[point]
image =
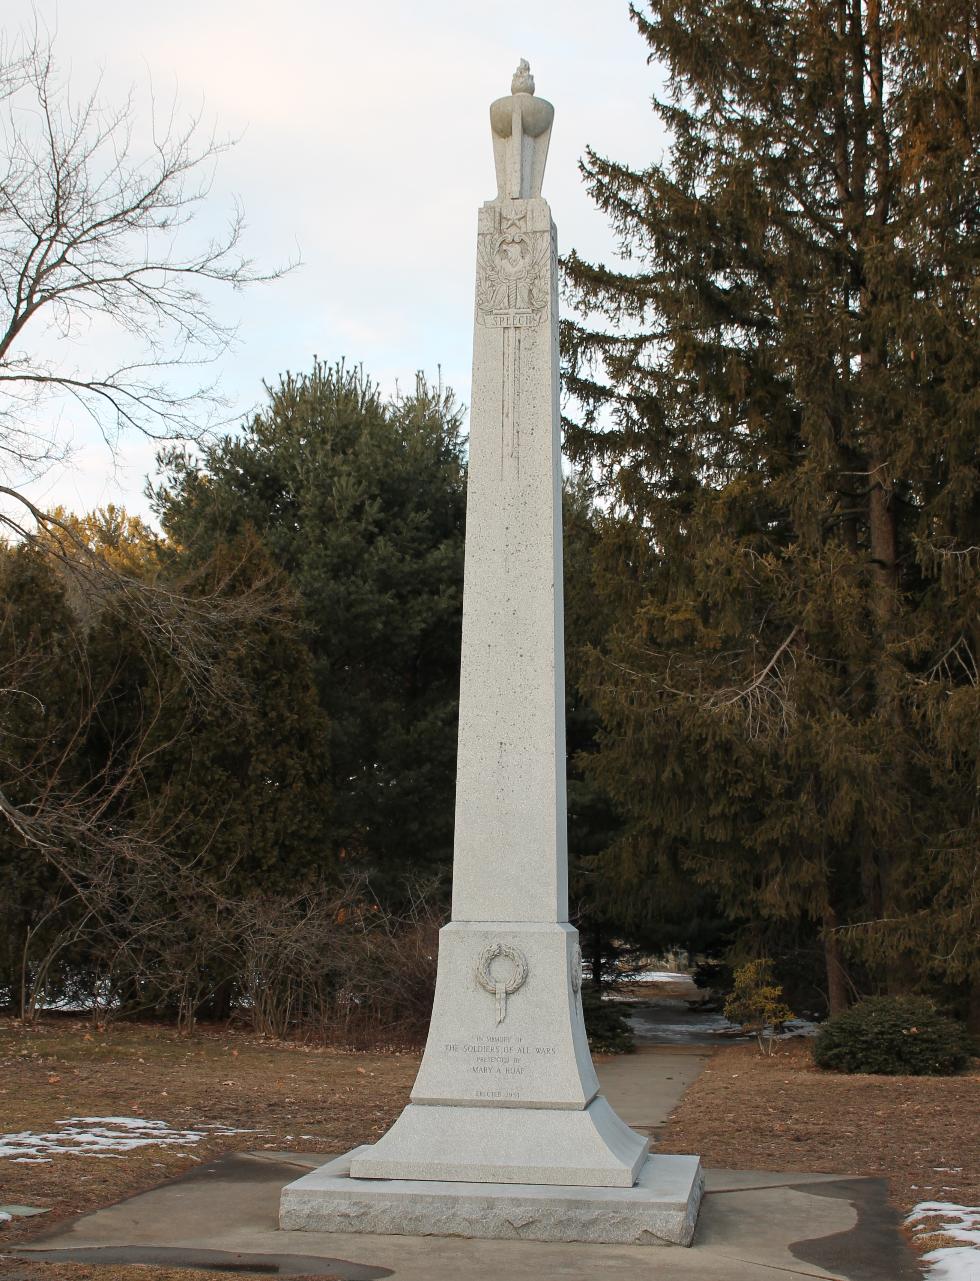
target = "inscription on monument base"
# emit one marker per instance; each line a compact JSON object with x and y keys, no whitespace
{"x":499,"y":1065}
{"x":506,"y":1031}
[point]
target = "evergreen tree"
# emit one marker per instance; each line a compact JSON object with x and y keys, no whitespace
{"x":593,"y":821}
{"x":129,"y":787}
{"x":602,"y":905}
{"x":781,"y":405}
{"x":360,"y":503}
{"x":240,"y":785}
{"x":43,"y":692}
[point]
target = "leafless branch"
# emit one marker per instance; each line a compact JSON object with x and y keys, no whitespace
{"x":765,"y":702}
{"x":95,"y":228}
{"x":958,"y":663}
{"x":191,"y":625}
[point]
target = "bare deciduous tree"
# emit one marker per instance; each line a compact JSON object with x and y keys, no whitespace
{"x":100,"y":230}
{"x":96,"y":228}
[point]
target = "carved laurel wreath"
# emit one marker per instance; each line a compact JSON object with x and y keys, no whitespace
{"x":577,"y":970}
{"x":487,"y":957}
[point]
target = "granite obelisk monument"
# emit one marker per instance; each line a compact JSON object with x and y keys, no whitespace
{"x":506,"y":1110}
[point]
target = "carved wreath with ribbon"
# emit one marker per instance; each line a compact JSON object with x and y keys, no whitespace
{"x":500,"y":989}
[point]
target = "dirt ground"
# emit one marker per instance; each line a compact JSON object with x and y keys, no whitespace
{"x":750,"y":1112}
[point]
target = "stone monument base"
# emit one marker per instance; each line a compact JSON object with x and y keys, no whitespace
{"x":660,"y":1209}
{"x":589,"y":1147}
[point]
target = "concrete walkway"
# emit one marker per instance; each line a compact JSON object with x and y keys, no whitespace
{"x":752,"y":1226}
{"x":645,"y":1087}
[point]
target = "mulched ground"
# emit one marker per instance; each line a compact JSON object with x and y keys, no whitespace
{"x":750,"y":1112}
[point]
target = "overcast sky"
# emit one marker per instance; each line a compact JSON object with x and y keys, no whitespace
{"x":365,"y":148}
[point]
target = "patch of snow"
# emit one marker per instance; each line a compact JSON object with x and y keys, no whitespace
{"x":655,"y":1025}
{"x":122,"y":1122}
{"x":675,"y":1023}
{"x":953,"y":1263}
{"x":658,"y":976}
{"x":5,"y":1217}
{"x":20,"y":1211}
{"x":102,"y":998}
{"x":102,"y":1136}
{"x":798,"y":1027}
{"x":962,"y":1223}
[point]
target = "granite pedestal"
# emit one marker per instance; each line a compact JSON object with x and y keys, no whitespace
{"x":661,"y":1207}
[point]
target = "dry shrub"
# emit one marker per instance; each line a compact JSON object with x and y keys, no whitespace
{"x":339,"y":967}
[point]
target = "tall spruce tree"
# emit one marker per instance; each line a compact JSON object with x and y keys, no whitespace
{"x":610,"y":927}
{"x":778,"y":392}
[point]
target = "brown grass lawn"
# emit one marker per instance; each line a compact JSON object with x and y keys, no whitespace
{"x":744,"y":1112}
{"x":750,"y":1112}
{"x":289,"y":1095}
{"x":31,"y":1270}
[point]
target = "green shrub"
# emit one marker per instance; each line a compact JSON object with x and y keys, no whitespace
{"x":756,"y":1003}
{"x":892,"y":1035}
{"x":607,"y":1029}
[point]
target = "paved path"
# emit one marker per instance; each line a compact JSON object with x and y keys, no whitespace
{"x":645,"y":1087}
{"x":753,"y":1226}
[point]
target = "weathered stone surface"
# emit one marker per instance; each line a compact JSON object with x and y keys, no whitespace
{"x":586,"y":1148}
{"x":521,"y":129}
{"x":507,"y":1030}
{"x":660,"y":1209}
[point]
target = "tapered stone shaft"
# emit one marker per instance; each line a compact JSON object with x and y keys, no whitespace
{"x":511,"y":859}
{"x":506,"y":1092}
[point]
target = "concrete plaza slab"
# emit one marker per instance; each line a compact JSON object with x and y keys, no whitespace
{"x":753,"y":1226}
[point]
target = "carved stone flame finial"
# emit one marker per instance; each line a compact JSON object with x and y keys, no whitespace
{"x":521,"y":128}
{"x":523,"y":81}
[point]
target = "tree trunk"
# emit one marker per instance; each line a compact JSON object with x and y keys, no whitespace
{"x":884,"y":545}
{"x":900,"y":974}
{"x":838,"y":987}
{"x":19,"y":989}
{"x":973,"y":1009}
